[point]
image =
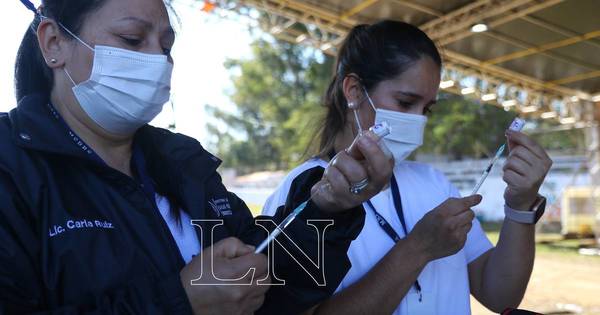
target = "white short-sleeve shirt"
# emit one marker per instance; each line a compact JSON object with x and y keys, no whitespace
{"x":444,"y":282}
{"x":183,"y":232}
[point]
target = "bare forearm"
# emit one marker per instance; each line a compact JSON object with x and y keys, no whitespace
{"x":509,"y":267}
{"x":384,"y":287}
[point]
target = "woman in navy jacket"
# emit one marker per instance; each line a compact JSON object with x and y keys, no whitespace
{"x":96,"y":206}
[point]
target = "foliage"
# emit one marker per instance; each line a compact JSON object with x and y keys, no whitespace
{"x":278,"y":94}
{"x":459,"y":128}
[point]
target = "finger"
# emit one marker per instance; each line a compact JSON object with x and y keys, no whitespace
{"x":516,"y":137}
{"x":461,"y":219}
{"x":518,"y":166}
{"x":522,"y":153}
{"x":240,"y":265}
{"x":467,"y":228}
{"x":352,"y":170}
{"x":324,"y":189}
{"x":513,"y":179}
{"x":379,"y":167}
{"x":454,"y":206}
{"x":386,"y":151}
{"x":261,"y":263}
{"x":461,"y":236}
{"x":528,"y":156}
{"x":539,"y":166}
{"x":264,"y":286}
{"x":471,"y":201}
{"x":465,"y":218}
{"x":231,"y":247}
{"x":337,"y":181}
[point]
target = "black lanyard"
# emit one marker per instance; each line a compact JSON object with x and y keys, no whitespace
{"x":138,"y":161}
{"x":387,"y":228}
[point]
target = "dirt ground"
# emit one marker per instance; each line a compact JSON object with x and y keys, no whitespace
{"x":560,"y":284}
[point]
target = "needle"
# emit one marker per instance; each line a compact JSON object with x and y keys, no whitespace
{"x":488,"y":169}
{"x":281,"y":226}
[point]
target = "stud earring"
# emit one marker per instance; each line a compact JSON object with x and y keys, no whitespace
{"x":352,"y":105}
{"x":53,"y":60}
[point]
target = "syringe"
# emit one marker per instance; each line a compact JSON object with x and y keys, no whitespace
{"x":381,"y":130}
{"x":516,"y":125}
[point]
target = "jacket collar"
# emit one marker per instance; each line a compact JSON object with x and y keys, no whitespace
{"x":37,"y":126}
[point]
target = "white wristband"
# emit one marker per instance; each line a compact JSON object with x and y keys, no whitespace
{"x":525,"y":217}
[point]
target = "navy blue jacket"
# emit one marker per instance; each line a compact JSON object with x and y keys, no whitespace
{"x":78,"y":237}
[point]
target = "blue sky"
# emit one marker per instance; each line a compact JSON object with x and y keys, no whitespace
{"x":204,"y":42}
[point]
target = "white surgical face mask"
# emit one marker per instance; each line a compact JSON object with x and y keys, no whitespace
{"x":406,"y":130}
{"x":126,"y":89}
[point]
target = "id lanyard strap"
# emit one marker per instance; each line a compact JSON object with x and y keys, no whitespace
{"x":387,"y":228}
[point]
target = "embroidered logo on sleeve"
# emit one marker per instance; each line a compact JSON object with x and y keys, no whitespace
{"x":221,"y":207}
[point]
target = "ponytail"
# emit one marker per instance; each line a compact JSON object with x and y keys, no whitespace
{"x":335,"y":101}
{"x":32,"y":75}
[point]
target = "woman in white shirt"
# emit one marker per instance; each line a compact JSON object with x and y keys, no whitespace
{"x":421,"y":251}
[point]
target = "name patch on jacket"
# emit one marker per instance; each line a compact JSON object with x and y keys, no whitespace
{"x":70,"y":225}
{"x":220,"y":206}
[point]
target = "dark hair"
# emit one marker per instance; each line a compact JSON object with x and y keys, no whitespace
{"x":32,"y":75}
{"x":374,"y":53}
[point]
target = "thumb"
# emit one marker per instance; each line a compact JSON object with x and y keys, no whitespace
{"x":231,"y":247}
{"x":511,"y":144}
{"x":355,"y":151}
{"x":470,"y":201}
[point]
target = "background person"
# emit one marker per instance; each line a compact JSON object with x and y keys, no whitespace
{"x":421,"y":251}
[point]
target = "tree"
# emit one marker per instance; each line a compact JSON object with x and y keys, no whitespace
{"x":277,"y":94}
{"x":459,"y":128}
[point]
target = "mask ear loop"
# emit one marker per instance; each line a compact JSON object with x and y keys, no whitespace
{"x":38,"y":12}
{"x":69,"y":76}
{"x":369,"y":99}
{"x":76,"y":37}
{"x":354,"y":107}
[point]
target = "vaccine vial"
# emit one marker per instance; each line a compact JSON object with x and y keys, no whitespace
{"x":517,"y":124}
{"x":381,"y":129}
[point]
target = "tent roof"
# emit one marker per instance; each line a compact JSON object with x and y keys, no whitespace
{"x":548,"y":49}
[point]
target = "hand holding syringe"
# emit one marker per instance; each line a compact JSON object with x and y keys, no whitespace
{"x":516,"y":125}
{"x":379,"y":131}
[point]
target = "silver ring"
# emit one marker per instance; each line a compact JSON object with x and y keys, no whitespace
{"x":359,"y":187}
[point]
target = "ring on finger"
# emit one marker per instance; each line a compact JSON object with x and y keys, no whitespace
{"x":357,"y":188}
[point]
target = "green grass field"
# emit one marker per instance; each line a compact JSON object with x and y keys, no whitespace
{"x":546,"y":243}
